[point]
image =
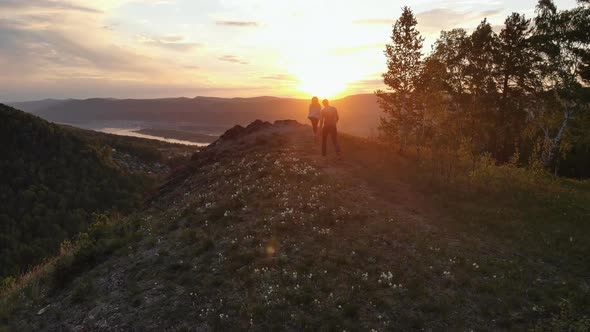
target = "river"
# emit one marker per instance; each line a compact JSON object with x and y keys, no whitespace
{"x":133,"y":133}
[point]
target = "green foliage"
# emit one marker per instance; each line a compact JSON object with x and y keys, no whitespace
{"x":566,"y":320}
{"x":7,"y":283}
{"x":83,"y":291}
{"x":503,"y":91}
{"x":103,"y":237}
{"x":51,"y":184}
{"x":403,"y":70}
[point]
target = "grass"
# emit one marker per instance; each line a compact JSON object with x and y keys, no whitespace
{"x":83,"y":291}
{"x":523,"y":222}
{"x":268,"y":237}
{"x":103,"y":238}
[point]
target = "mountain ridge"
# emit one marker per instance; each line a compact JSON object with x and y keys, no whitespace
{"x":359,"y":113}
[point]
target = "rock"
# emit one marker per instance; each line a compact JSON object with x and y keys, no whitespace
{"x":236,"y":132}
{"x":42,"y":311}
{"x":287,"y":123}
{"x":239,"y":131}
{"x":257,"y":125}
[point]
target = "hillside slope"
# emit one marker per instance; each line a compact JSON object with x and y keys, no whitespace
{"x":51,"y":183}
{"x":259,"y":233}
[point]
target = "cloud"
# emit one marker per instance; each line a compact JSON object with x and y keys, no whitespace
{"x":367,"y":85}
{"x":437,"y":19}
{"x":375,"y":21}
{"x":38,"y":45}
{"x":281,"y":77}
{"x":233,"y":59}
{"x":45,"y":48}
{"x":159,"y":2}
{"x":45,"y":4}
{"x":357,"y":48}
{"x":243,"y":24}
{"x":63,"y":48}
{"x":171,"y":42}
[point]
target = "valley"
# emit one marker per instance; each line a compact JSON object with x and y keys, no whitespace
{"x":180,"y":117}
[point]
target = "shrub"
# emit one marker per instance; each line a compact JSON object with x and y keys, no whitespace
{"x":82,"y":291}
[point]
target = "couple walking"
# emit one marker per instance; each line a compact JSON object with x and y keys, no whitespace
{"x":323,"y":121}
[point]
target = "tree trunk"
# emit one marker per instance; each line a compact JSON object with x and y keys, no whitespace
{"x":556,"y":142}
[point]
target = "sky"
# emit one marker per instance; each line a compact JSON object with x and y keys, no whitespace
{"x":225,"y":48}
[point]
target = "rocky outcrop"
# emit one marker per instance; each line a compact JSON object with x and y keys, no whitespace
{"x":236,"y":132}
{"x":257,"y":125}
{"x":287,"y":123}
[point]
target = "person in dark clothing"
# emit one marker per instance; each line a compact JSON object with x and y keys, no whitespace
{"x":314,"y":113}
{"x":328,"y":120}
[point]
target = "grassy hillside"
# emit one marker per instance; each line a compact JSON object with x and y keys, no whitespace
{"x":260,"y":233}
{"x":52,"y":182}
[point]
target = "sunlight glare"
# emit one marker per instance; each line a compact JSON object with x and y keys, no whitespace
{"x":324,"y":77}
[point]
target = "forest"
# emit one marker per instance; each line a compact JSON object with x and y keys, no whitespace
{"x":516,"y":94}
{"x":52,"y":183}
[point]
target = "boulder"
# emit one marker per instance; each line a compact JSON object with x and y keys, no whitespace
{"x":236,"y":132}
{"x":257,"y":125}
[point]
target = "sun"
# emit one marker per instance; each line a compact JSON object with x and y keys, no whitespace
{"x":324,"y":77}
{"x":319,"y":82}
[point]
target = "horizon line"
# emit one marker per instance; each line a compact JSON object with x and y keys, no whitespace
{"x":178,"y":97}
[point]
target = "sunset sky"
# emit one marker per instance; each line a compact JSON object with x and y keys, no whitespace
{"x":227,"y":48}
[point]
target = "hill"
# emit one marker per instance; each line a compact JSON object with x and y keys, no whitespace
{"x":52,"y":183}
{"x":260,"y":233}
{"x":359,"y":113}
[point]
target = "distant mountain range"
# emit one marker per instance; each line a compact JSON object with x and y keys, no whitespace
{"x":359,"y":113}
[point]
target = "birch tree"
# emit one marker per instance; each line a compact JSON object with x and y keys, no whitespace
{"x":562,"y":39}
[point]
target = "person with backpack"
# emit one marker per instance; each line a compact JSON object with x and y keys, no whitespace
{"x":328,"y":120}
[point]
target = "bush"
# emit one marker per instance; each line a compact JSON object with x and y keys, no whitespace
{"x":7,"y":283}
{"x":82,"y":291}
{"x":103,"y":238}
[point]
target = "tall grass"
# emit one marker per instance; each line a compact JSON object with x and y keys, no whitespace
{"x":106,"y":235}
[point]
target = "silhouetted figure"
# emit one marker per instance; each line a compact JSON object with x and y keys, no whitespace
{"x":314,"y":113}
{"x":328,"y":120}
